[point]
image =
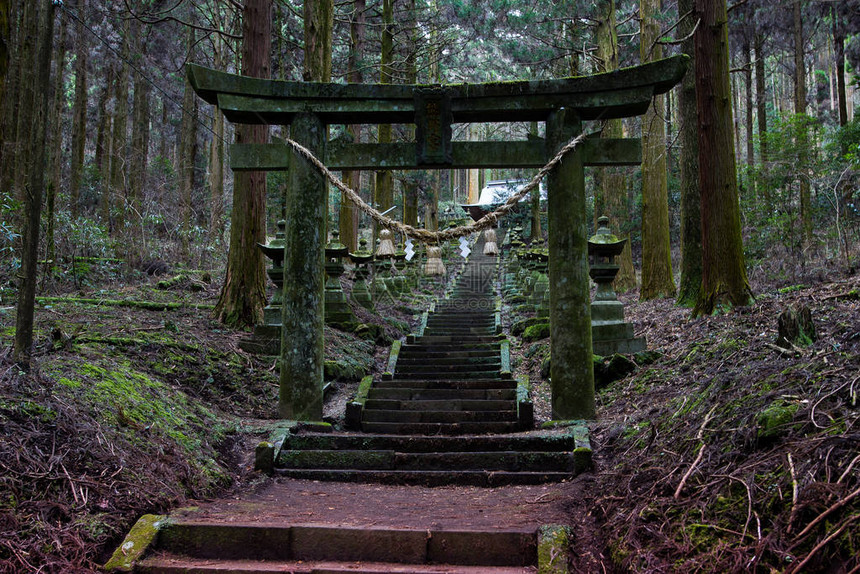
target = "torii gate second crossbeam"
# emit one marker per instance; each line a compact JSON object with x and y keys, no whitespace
{"x":309,"y":107}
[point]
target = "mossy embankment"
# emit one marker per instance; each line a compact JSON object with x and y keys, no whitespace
{"x":131,"y":409}
{"x":728,"y":455}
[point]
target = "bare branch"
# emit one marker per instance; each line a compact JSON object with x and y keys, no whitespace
{"x":178,"y":21}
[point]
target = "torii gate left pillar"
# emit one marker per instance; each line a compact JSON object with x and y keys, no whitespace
{"x":303,"y":318}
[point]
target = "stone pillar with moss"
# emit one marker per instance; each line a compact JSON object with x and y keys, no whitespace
{"x":302,"y":343}
{"x":572,"y":372}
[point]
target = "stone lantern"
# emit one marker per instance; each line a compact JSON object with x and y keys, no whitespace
{"x":274,"y":250}
{"x":361,"y":259}
{"x":540,"y":290}
{"x":336,"y":308}
{"x":609,"y":332}
{"x":603,"y":247}
{"x":266,"y":338}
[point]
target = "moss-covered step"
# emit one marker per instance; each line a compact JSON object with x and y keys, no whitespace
{"x":188,"y":545}
{"x":561,"y":440}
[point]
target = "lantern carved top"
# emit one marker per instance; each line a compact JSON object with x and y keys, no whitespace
{"x":363,"y":255}
{"x":274,"y":250}
{"x":604,"y":244}
{"x":335,"y":249}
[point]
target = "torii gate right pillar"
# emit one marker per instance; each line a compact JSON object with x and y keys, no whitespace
{"x":571,"y":366}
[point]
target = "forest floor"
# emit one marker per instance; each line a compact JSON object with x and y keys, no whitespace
{"x":724,"y":455}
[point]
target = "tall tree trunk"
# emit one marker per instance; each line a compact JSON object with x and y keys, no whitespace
{"x":748,"y":97}
{"x":657,"y":280}
{"x":384,"y":190}
{"x":216,"y":163}
{"x":139,"y":160}
{"x":724,"y":277}
{"x":164,"y":140}
{"x":613,"y":180}
{"x":10,"y":14}
{"x":410,"y":184}
{"x":187,"y":147}
{"x":761,"y":97}
{"x":104,"y":145}
{"x":319,"y":18}
{"x":43,"y":30}
{"x":244,"y":292}
{"x":839,"y":47}
{"x":5,"y":48}
{"x":79,"y":112}
{"x":534,"y":200}
{"x":691,"y":222}
{"x":431,"y":208}
{"x":119,"y":140}
{"x":55,"y":126}
{"x":802,"y":142}
{"x":26,"y":95}
{"x":761,"y":119}
{"x":348,"y":218}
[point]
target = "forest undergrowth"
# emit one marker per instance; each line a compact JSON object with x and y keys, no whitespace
{"x":726,"y":455}
{"x":731,"y":454}
{"x":132,"y":408}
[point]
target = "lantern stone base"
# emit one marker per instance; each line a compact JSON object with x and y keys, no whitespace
{"x":337,"y":310}
{"x":610,"y":334}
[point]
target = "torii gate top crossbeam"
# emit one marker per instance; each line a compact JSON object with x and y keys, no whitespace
{"x":621,"y":93}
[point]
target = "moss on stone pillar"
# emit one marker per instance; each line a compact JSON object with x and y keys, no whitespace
{"x":302,"y":350}
{"x":572,"y":372}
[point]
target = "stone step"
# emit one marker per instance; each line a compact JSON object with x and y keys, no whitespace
{"x":425,"y":353}
{"x":459,"y":318}
{"x":450,"y":348}
{"x":446,"y":416}
{"x":446,"y":359}
{"x":275,"y":542}
{"x":427,"y":428}
{"x":459,"y":332}
{"x":176,"y":564}
{"x":440,"y":405}
{"x":463,"y":314}
{"x":444,"y":375}
{"x":459,"y":340}
{"x":466,"y":307}
{"x":481,"y":478}
{"x":535,"y":441}
{"x":504,"y":461}
{"x":440,"y":368}
{"x":460,"y":326}
{"x":438,"y":384}
{"x":441,"y":394}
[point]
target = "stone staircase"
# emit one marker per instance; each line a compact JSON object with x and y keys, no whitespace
{"x":447,"y":411}
{"x":449,"y":380}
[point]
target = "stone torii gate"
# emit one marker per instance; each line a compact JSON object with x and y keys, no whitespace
{"x":309,"y":107}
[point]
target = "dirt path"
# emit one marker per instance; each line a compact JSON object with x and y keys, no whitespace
{"x":287,"y":501}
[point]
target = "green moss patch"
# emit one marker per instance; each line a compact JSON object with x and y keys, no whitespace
{"x":774,"y":421}
{"x":536,"y":332}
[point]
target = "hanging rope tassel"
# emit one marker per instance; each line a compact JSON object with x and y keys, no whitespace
{"x":434,"y":265}
{"x":490,"y":247}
